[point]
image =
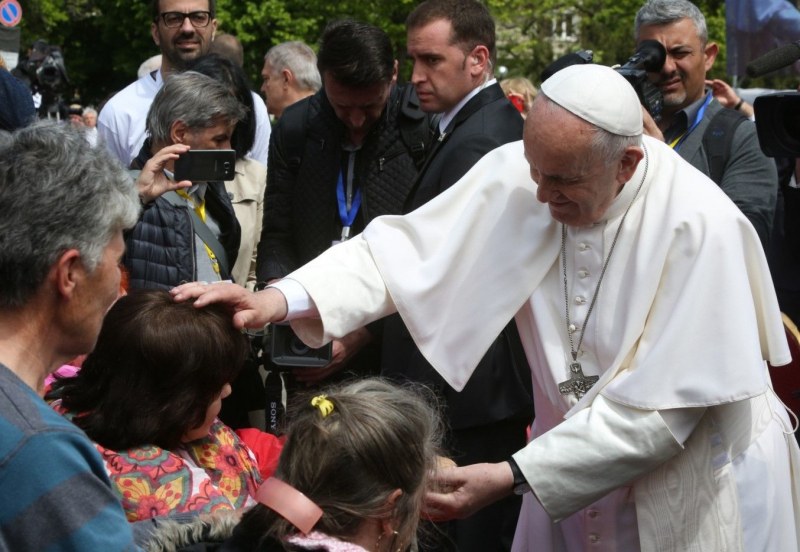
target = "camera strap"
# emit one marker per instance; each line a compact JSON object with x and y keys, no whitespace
{"x":203,"y":232}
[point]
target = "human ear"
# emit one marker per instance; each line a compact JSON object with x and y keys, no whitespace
{"x":68,"y":271}
{"x":710,"y":52}
{"x":478,"y":59}
{"x":154,"y":33}
{"x":178,"y":131}
{"x":628,"y":163}
{"x":388,"y":524}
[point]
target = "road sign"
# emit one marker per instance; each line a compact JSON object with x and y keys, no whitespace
{"x":10,"y":13}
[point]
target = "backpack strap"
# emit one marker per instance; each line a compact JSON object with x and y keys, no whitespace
{"x":717,"y":141}
{"x":202,"y":231}
{"x":414,"y":125}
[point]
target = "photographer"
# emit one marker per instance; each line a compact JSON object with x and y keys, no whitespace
{"x":719,"y":142}
{"x":45,"y":74}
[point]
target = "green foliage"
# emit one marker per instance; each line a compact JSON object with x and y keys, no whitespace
{"x":104,"y":41}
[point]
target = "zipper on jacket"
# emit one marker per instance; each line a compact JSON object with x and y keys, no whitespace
{"x":389,"y":157}
{"x":194,"y":245}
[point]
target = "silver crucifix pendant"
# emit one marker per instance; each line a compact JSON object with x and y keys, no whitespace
{"x":577,"y":382}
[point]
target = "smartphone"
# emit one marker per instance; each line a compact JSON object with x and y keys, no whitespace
{"x":205,"y":165}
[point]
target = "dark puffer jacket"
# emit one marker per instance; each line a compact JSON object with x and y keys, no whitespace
{"x":160,"y":248}
{"x":300,"y":209}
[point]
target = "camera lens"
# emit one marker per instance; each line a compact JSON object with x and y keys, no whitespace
{"x":298,"y":347}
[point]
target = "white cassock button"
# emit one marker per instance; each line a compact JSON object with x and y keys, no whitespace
{"x":580,"y":300}
{"x":583,"y":246}
{"x":583,"y":274}
{"x":573,"y":328}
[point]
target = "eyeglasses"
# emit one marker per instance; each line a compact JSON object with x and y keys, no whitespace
{"x":173,"y":20}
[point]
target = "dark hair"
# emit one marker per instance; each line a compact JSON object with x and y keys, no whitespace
{"x":355,"y":53}
{"x":379,"y":437}
{"x":228,"y":46}
{"x":156,"y":368}
{"x":226,"y":71}
{"x":471,"y":21}
{"x":156,"y":8}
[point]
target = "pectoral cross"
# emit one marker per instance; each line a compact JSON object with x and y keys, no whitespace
{"x":577,"y":382}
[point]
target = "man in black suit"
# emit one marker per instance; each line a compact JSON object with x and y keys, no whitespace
{"x":452,"y":44}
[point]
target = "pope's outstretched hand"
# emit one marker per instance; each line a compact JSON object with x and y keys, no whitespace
{"x":458,"y":492}
{"x":250,"y":310}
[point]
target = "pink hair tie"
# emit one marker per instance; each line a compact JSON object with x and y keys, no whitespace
{"x":291,"y":504}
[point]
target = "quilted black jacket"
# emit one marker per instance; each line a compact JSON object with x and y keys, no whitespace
{"x":305,"y":155}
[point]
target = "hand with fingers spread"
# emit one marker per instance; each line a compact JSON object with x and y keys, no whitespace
{"x":152,"y":182}
{"x":250,"y":310}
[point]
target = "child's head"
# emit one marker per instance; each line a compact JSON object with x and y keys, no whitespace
{"x":156,"y":371}
{"x":350,"y":452}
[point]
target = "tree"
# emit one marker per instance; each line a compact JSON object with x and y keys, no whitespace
{"x":104,"y":41}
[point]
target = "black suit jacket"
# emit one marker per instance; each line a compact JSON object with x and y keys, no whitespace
{"x":487,"y":121}
{"x":500,"y":388}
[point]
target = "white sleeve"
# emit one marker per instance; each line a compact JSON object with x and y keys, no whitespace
{"x":345,"y":285}
{"x":108,"y":135}
{"x":298,"y":301}
{"x":600,"y":449}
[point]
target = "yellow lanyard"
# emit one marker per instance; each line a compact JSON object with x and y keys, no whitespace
{"x":676,"y":140}
{"x":200,"y":209}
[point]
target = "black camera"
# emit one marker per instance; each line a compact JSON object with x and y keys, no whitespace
{"x":286,"y":349}
{"x":648,"y":58}
{"x":45,"y":73}
{"x":778,"y":123}
{"x":44,"y":69}
{"x":52,"y":72}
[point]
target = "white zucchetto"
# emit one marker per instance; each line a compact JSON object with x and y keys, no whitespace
{"x":599,"y":95}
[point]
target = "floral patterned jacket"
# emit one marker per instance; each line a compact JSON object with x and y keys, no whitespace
{"x":218,"y":472}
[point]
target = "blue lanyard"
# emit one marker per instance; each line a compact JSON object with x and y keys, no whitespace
{"x":699,"y":117}
{"x":347,"y":216}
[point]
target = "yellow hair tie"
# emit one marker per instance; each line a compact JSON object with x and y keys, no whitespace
{"x":324,"y":404}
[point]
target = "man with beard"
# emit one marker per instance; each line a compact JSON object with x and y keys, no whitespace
{"x":183,"y":30}
{"x":719,"y":142}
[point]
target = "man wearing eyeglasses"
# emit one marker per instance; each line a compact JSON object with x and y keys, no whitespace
{"x":183,"y":30}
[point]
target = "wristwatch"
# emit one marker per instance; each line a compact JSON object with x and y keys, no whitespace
{"x":521,"y":485}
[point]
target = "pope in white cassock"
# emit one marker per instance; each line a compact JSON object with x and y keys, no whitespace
{"x":645,"y":308}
